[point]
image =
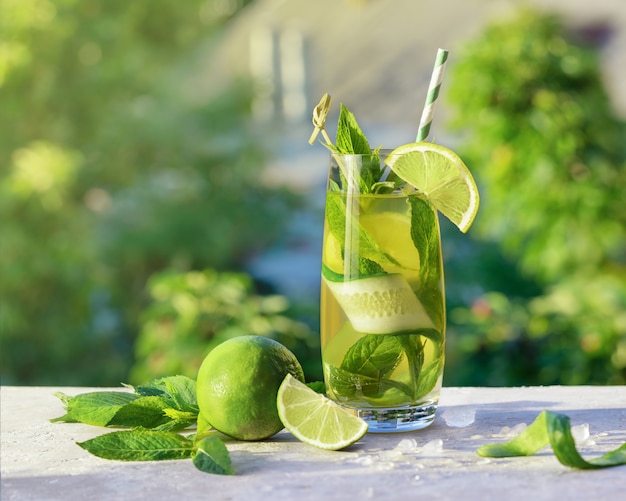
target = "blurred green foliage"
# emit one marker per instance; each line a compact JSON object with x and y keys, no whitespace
{"x":191,"y":313}
{"x":549,"y":155}
{"x":114,"y":169}
{"x":127,"y":199}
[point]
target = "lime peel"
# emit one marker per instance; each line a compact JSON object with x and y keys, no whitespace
{"x":554,"y":429}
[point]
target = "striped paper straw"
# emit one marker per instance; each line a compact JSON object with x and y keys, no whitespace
{"x":433,"y":94}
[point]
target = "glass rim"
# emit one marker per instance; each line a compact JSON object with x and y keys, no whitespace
{"x":381,"y":152}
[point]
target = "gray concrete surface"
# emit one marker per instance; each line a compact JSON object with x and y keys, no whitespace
{"x":41,"y":462}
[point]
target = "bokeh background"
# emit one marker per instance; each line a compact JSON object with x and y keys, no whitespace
{"x":158,"y":194}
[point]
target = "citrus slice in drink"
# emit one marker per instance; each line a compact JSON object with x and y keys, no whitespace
{"x":392,"y":232}
{"x":331,"y":253}
{"x":315,"y":419}
{"x":442,"y":176}
{"x":383,"y":304}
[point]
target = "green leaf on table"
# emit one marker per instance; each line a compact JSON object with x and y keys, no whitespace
{"x":145,"y":412}
{"x":93,"y":408}
{"x":180,"y":389}
{"x":179,"y":420}
{"x":553,"y":429}
{"x":140,"y":445}
{"x":212,"y":456}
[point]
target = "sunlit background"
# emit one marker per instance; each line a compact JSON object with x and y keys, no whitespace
{"x":158,"y":194}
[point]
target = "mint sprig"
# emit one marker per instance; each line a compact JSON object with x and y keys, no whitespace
{"x":139,"y":445}
{"x":94,"y":408}
{"x":551,"y":428}
{"x":352,"y":141}
{"x":154,"y":413}
{"x":350,"y":137}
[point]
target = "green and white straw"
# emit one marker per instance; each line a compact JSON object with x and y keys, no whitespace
{"x":433,"y":94}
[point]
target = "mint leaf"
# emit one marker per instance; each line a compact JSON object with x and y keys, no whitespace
{"x":429,"y":375}
{"x":414,"y":351}
{"x":146,"y":408}
{"x":180,"y":389}
{"x":212,"y":456}
{"x":177,"y":415}
{"x":350,"y":137}
{"x":369,"y":268}
{"x":383,"y":187}
{"x":373,"y":355}
{"x":139,"y":445}
{"x":145,"y":412}
{"x":365,"y":365}
{"x":347,"y":384}
{"x":318,"y":387}
{"x":425,"y":236}
{"x":94,"y":408}
{"x":179,"y":420}
{"x":364,"y":245}
{"x":352,"y":141}
{"x":553,"y":429}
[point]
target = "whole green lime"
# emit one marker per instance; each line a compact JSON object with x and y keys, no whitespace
{"x":238,"y":382}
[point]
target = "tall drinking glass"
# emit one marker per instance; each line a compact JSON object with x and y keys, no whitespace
{"x":382,"y":298}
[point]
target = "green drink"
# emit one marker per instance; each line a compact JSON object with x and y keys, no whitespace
{"x":382,"y":295}
{"x":382,"y":299}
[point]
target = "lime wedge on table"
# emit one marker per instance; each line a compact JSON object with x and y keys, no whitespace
{"x":315,"y":419}
{"x":442,"y":176}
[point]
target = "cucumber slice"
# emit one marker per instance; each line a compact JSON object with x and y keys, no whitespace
{"x":382,"y":304}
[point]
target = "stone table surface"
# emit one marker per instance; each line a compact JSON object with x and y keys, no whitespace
{"x":41,"y":461}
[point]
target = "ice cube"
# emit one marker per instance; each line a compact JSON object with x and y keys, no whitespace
{"x":433,"y":447}
{"x":363,"y":460}
{"x":407,"y":445}
{"x":384,"y":466}
{"x":459,"y":417}
{"x":507,"y":432}
{"x":580,"y":432}
{"x":390,"y":455}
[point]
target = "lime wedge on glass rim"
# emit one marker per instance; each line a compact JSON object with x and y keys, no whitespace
{"x":442,"y":176}
{"x":315,"y":419}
